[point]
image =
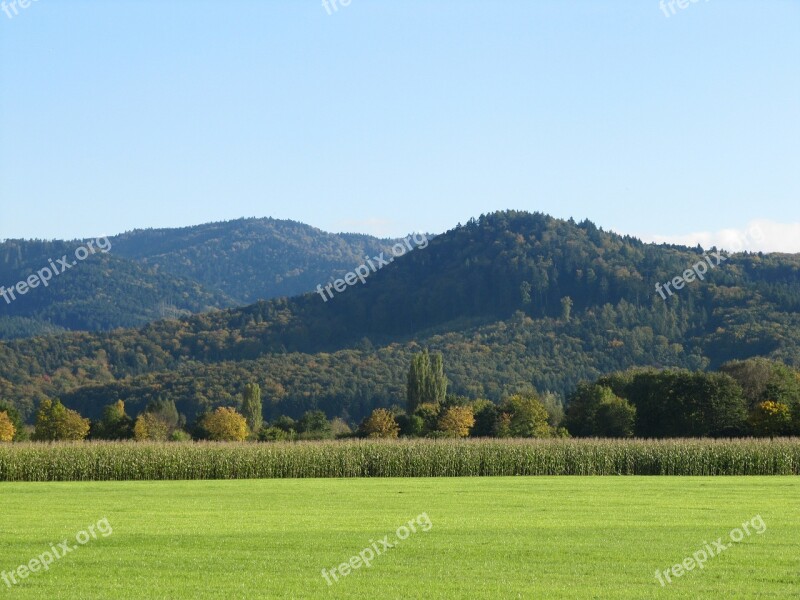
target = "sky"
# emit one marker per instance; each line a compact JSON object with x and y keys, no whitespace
{"x":386,"y":117}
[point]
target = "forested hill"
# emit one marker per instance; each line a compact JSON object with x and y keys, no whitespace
{"x":250,"y":259}
{"x":513,"y":301}
{"x":162,"y":273}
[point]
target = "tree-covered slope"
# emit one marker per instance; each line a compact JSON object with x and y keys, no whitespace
{"x":102,"y":292}
{"x":513,"y":301}
{"x":154,"y":274}
{"x":250,"y":259}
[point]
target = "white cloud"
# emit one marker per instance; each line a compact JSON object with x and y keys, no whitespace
{"x":759,"y":235}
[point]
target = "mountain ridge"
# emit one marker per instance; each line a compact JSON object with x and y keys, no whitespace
{"x":490,"y":295}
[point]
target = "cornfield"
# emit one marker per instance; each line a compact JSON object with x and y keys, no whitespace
{"x":100,"y":461}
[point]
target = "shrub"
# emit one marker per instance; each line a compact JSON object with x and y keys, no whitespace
{"x":179,"y":435}
{"x":275,"y":434}
{"x":340,"y":429}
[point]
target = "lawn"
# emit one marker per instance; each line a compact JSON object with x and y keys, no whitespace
{"x":524,"y":537}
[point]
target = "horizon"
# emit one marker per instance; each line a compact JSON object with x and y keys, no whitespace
{"x":752,"y":239}
{"x":380,"y":118}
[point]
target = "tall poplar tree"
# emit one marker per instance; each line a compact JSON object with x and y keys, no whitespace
{"x":252,"y":408}
{"x":426,"y":380}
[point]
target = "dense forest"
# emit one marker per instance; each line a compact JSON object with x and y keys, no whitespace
{"x":155,"y":274}
{"x":515,"y":302}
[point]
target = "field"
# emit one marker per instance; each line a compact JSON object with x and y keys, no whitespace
{"x":102,"y":461}
{"x":501,"y":537}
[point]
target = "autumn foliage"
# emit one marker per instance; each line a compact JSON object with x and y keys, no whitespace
{"x":226,"y":425}
{"x":7,"y":429}
{"x":380,"y":424}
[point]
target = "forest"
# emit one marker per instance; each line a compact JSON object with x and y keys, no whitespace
{"x":516,"y":303}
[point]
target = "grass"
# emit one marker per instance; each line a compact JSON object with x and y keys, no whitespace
{"x":543,"y":537}
{"x":103,"y":461}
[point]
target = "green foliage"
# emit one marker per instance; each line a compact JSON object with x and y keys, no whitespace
{"x":314,"y":425}
{"x":179,"y":435}
{"x":352,"y":354}
{"x":555,"y":409}
{"x":166,"y":411}
{"x":771,"y":418}
{"x":426,"y":381}
{"x":287,"y":424}
{"x":670,"y":404}
{"x":270,"y":433}
{"x":566,"y":308}
{"x":763,"y":381}
{"x":615,"y":417}
{"x":410,"y":425}
{"x":340,"y":429}
{"x":54,"y":422}
{"x":486,"y":415}
{"x":251,"y":407}
{"x":429,"y":414}
{"x":594,"y":410}
{"x":528,"y":417}
{"x":170,"y":273}
{"x":115,"y":424}
{"x":159,"y":421}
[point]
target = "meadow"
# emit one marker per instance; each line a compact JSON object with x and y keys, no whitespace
{"x":101,"y":461}
{"x":500,"y":537}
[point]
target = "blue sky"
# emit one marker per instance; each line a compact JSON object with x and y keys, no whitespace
{"x":387,"y":117}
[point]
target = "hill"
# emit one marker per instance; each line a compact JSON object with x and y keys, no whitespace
{"x":163,"y":273}
{"x":514,"y":301}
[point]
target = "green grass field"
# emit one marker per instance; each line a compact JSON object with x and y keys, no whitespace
{"x":537,"y":537}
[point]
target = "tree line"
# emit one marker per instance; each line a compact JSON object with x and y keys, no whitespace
{"x":755,"y":397}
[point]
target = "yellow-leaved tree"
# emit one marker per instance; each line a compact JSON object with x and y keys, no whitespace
{"x":226,"y":425}
{"x":380,"y":424}
{"x":7,"y":429}
{"x":457,"y":421}
{"x":56,"y":422}
{"x":149,"y":426}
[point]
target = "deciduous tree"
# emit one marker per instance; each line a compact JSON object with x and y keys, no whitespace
{"x":252,"y":408}
{"x":457,"y":421}
{"x":56,"y":422}
{"x":380,"y":424}
{"x":226,"y":425}
{"x":7,"y":429}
